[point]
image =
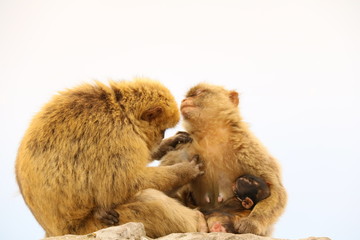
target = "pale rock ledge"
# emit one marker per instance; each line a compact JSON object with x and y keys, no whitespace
{"x":136,"y":231}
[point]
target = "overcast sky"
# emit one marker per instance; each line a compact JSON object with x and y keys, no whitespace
{"x":296,"y":65}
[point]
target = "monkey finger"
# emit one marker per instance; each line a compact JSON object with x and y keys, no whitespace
{"x":180,"y":139}
{"x":199,"y":163}
{"x":196,"y":159}
{"x":182,"y":133}
{"x":200,"y":169}
{"x":109,"y":222}
{"x":110,"y":219}
{"x":114,"y":213}
{"x":184,"y":139}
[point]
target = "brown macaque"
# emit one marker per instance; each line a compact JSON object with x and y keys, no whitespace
{"x":228,"y":149}
{"x":82,"y":164}
{"x":248,"y":191}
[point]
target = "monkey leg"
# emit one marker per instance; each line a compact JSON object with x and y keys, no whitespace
{"x":160,"y":214}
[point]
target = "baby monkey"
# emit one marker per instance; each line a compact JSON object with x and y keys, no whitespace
{"x":248,"y":191}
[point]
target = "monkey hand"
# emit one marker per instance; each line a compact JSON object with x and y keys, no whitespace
{"x":189,"y":170}
{"x":197,"y":165}
{"x":171,"y":144}
{"x":107,"y":217}
{"x":181,"y":137}
{"x":249,"y":225}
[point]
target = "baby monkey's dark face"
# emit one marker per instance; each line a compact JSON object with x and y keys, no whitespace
{"x":249,"y":190}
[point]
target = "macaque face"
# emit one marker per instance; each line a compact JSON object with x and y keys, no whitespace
{"x":190,"y":105}
{"x":205,"y":101}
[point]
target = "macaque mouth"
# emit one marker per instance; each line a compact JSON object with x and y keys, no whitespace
{"x":186,"y":106}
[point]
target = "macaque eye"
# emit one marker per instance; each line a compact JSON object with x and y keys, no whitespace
{"x":199,"y":91}
{"x":195,"y":93}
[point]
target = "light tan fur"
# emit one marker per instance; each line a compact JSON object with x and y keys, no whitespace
{"x":88,"y":149}
{"x":228,"y":150}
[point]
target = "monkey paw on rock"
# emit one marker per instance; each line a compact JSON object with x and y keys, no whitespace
{"x":248,"y":225}
{"x":107,"y":217}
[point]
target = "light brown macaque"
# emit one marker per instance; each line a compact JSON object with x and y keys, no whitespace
{"x":82,"y":164}
{"x":248,"y":191}
{"x":228,"y":149}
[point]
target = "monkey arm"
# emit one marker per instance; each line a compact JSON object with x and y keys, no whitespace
{"x":273,"y":206}
{"x":265,"y":213}
{"x":164,"y":147}
{"x":171,"y":144}
{"x":167,"y":178}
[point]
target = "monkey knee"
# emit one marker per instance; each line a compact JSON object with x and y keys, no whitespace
{"x":160,"y":214}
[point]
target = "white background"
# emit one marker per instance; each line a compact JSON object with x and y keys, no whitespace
{"x":295,"y":64}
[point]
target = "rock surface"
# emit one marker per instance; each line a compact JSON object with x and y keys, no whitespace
{"x":136,"y":231}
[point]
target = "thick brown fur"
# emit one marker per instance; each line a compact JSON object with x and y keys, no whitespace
{"x":86,"y":152}
{"x":228,"y":150}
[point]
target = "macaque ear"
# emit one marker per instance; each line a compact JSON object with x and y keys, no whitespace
{"x":151,"y":113}
{"x":234,"y":97}
{"x":247,"y":203}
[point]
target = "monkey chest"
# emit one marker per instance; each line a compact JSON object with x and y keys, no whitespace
{"x":212,"y":189}
{"x":215,"y":186}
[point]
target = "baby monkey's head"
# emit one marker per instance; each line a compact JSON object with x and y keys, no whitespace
{"x":250,"y":190}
